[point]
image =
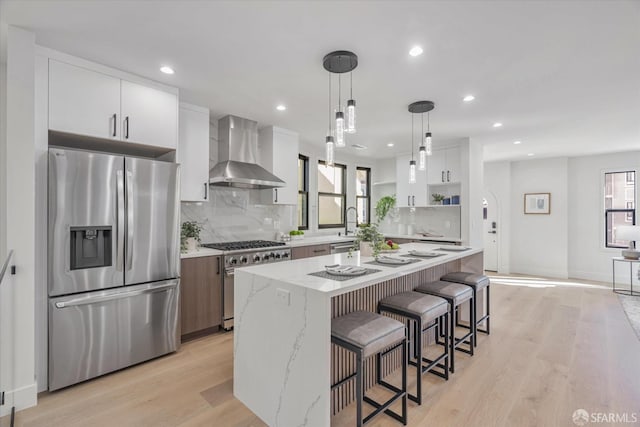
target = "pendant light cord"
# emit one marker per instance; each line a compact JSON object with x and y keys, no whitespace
{"x":428,"y":123}
{"x":422,"y":127}
{"x":330,"y":121}
{"x":351,"y":84}
{"x":339,"y":92}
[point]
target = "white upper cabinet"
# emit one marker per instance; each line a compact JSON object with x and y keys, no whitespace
{"x":444,"y":166}
{"x":83,"y":102}
{"x":87,"y":102}
{"x":410,"y":195}
{"x":193,"y":153}
{"x":278,"y":150}
{"x":149,"y":116}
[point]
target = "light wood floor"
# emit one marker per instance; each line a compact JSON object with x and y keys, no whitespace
{"x":555,"y":347}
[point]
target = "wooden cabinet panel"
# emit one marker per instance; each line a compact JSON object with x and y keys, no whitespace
{"x":201,"y":294}
{"x":310,"y":251}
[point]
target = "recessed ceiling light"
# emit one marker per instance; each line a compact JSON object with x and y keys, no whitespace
{"x":390,"y":144}
{"x":415,"y":51}
{"x":281,"y":107}
{"x":497,"y":125}
{"x":167,"y":70}
{"x":530,"y":154}
{"x":468,"y":98}
{"x":517,"y":142}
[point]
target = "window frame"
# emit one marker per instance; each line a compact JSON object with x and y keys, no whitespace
{"x":367,"y":197}
{"x":305,"y":191}
{"x":630,"y":212}
{"x":343,"y":195}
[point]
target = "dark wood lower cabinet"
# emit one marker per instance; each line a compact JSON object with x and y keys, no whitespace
{"x":310,"y":251}
{"x":201,"y":295}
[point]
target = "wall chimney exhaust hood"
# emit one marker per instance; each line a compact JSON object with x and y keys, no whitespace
{"x":238,"y":155}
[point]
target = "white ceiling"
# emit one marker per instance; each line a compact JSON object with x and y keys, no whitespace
{"x":563,"y":76}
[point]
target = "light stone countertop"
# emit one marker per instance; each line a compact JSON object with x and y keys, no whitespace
{"x":201,"y":251}
{"x":296,"y":272}
{"x":421,"y":237}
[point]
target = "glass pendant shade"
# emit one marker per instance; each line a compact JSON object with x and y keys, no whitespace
{"x":427,"y":143}
{"x":422,"y":159}
{"x":329,"y":154}
{"x":412,"y":172}
{"x":340,"y":130}
{"x":351,"y":116}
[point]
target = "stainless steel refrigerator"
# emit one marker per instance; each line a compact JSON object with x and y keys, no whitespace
{"x":114,"y":257}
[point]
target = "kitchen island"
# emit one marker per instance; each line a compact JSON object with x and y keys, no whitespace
{"x":284,"y":362}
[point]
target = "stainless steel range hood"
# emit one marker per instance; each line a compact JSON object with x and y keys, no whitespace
{"x":238,"y":157}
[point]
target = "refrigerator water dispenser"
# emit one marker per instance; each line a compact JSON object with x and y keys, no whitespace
{"x":90,"y":247}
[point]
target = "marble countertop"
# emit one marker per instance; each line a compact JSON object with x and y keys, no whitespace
{"x":296,"y":272}
{"x":421,"y":237}
{"x":307,"y":241}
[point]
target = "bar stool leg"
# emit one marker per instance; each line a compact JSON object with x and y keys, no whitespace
{"x":404,"y":382}
{"x":359,"y":388}
{"x":488,"y":311}
{"x":418,"y":339}
{"x":445,"y":321}
{"x":472,"y":321}
{"x":452,"y":337}
{"x":475,"y":319}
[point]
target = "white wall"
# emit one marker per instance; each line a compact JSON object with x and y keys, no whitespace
{"x":17,"y":325}
{"x":588,"y":258}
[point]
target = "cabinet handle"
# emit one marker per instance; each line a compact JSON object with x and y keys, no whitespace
{"x":206,"y":190}
{"x":276,"y":190}
{"x":448,"y":176}
{"x":316,"y":251}
{"x":408,"y":200}
{"x":442,"y":176}
{"x":126,"y":127}
{"x":218,"y":265}
{"x":115,"y":123}
{"x":413,"y":200}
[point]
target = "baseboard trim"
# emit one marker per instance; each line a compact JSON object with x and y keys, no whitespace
{"x":22,"y":398}
{"x":593,"y":275}
{"x":556,"y":274}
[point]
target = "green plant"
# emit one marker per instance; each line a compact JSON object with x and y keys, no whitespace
{"x":296,"y":233}
{"x":368,"y":233}
{"x":437,"y":197}
{"x":190,"y":229}
{"x":384,"y":205}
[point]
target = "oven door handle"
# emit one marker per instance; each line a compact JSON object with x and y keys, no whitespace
{"x":229,"y":272}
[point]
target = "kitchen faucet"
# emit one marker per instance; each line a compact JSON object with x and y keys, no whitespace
{"x":347,"y":222}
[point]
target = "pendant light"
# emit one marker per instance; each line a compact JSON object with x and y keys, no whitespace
{"x":427,"y":138}
{"x":421,"y":107}
{"x":329,"y":144}
{"x":340,"y":120}
{"x":340,"y":62}
{"x":351,"y":108}
{"x":412,"y":163}
{"x":422,"y":154}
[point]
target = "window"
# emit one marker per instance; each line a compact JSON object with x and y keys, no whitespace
{"x":363,"y":195}
{"x":303,"y":192}
{"x":619,"y":205}
{"x":331,"y":195}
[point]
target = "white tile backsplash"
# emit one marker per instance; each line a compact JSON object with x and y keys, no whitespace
{"x":237,"y":214}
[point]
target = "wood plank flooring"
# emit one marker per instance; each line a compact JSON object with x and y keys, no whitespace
{"x":555,"y":346}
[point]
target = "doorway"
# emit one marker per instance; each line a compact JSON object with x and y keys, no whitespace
{"x":490,"y":228}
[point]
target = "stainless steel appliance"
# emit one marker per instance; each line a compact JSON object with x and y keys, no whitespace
{"x":114,"y":256}
{"x":241,"y":254}
{"x":341,"y":247}
{"x":238,"y":157}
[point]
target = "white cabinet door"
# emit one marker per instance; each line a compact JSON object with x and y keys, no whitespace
{"x":436,"y":173}
{"x":149,"y":115}
{"x":193,"y":153}
{"x":83,"y":102}
{"x":453,"y":164}
{"x":409,"y":195}
{"x":285,"y":166}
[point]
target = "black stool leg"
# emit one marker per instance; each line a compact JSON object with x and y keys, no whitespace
{"x":359,"y":387}
{"x":488,"y":312}
{"x":452,"y":336}
{"x":404,"y":382}
{"x":418,"y":339}
{"x":472,"y":322}
{"x":445,"y":319}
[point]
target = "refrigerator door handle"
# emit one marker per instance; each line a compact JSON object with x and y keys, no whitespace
{"x":130,"y":219}
{"x":119,"y":295}
{"x":120,"y":220}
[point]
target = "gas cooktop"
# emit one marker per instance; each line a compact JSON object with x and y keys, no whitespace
{"x":245,"y":244}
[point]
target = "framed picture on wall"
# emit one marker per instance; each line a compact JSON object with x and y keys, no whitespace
{"x":537,"y":203}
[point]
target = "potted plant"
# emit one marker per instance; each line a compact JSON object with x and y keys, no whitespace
{"x":437,"y":198}
{"x":368,"y":240}
{"x":190,"y":236}
{"x":384,"y":205}
{"x":296,"y":234}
